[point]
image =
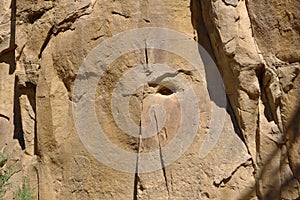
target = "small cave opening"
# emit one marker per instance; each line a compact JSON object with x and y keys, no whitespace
{"x":163,"y":90}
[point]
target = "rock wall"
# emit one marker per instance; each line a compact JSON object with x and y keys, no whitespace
{"x":256,"y":47}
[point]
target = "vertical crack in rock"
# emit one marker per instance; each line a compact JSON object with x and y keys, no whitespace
{"x":258,"y":158}
{"x":136,"y":175}
{"x":234,"y":120}
{"x":141,"y":97}
{"x":8,"y":54}
{"x":161,"y":155}
{"x":46,"y":41}
{"x":13,"y":23}
{"x":136,"y":181}
{"x":18,"y":130}
{"x":146,"y":53}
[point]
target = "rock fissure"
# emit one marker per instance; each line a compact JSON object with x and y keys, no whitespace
{"x":227,"y":179}
{"x":4,"y":116}
{"x":160,"y":154}
{"x":139,"y":150}
{"x":120,"y":14}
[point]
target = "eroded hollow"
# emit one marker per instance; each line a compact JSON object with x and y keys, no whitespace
{"x":163,"y":89}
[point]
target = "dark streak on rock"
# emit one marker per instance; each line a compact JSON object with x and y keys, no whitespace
{"x":97,"y":37}
{"x":147,"y":20}
{"x":120,"y":14}
{"x":161,"y":156}
{"x":4,"y":116}
{"x":136,"y":175}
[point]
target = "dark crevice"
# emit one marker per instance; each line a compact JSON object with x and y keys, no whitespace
{"x":18,"y":128}
{"x":234,"y":121}
{"x":97,"y":37}
{"x":4,"y":116}
{"x":136,"y":182}
{"x":146,"y":53}
{"x":36,"y":150}
{"x":186,"y":72}
{"x":120,"y":14}
{"x":227,"y":179}
{"x":30,"y":91}
{"x":8,"y":55}
{"x":46,"y":41}
{"x":161,"y":155}
{"x":147,"y":20}
{"x":224,"y":181}
{"x":147,"y":71}
{"x":13,"y":19}
{"x":12,"y":43}
{"x":258,"y":156}
{"x":136,"y":175}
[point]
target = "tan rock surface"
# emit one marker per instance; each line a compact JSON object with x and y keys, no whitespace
{"x":255,"y":45}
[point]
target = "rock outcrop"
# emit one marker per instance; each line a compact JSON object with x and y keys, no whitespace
{"x":256,"y":48}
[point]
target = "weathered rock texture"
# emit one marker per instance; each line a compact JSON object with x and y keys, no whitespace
{"x":256,"y":45}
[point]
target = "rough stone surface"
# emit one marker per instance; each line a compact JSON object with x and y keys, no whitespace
{"x":256,"y":46}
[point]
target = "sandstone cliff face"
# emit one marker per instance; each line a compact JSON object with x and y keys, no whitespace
{"x":256,"y":46}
